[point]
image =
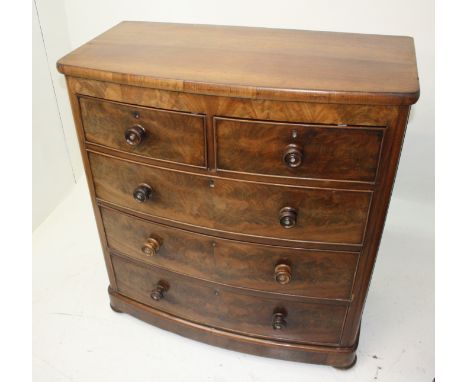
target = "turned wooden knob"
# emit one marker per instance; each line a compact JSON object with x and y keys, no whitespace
{"x":151,"y":247}
{"x":283,"y":274}
{"x":278,"y":321}
{"x":134,"y":135}
{"x":292,"y":155}
{"x":288,"y":217}
{"x":158,"y":293}
{"x":142,"y":193}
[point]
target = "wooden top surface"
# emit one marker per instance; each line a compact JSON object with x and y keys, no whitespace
{"x":258,"y":63}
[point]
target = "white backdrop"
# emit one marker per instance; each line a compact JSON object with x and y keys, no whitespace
{"x":80,"y":341}
{"x":52,"y":171}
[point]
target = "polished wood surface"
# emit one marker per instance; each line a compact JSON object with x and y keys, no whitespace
{"x":319,"y":274}
{"x":227,"y":308}
{"x":271,"y":110}
{"x":323,"y":215}
{"x":338,"y":356}
{"x":252,"y":62}
{"x":253,"y":222}
{"x":330,"y":152}
{"x":168,"y":135}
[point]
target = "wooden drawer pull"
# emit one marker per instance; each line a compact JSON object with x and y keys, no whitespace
{"x":292,"y":155}
{"x":151,"y":247}
{"x":134,"y":135}
{"x":158,"y":293}
{"x":278,"y":321}
{"x":283,"y":274}
{"x":142,"y":193}
{"x":288,"y":217}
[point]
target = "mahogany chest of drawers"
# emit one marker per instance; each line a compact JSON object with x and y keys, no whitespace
{"x":240,"y":177}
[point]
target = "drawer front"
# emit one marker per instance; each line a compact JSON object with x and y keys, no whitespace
{"x":321,"y":274}
{"x":257,"y":209}
{"x":229,"y":308}
{"x":296,"y":150}
{"x":168,"y":135}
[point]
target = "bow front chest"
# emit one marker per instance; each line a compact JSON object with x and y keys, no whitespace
{"x":240,"y":177}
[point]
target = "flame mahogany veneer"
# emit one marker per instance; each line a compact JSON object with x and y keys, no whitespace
{"x":240,"y":177}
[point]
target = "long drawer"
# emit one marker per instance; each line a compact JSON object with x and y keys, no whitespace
{"x":260,"y":315}
{"x":250,"y":208}
{"x":320,"y":274}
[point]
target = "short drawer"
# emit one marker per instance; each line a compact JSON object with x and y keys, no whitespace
{"x":229,"y":308}
{"x":321,"y":274}
{"x":248,"y":208}
{"x":159,"y":134}
{"x":298,"y":150}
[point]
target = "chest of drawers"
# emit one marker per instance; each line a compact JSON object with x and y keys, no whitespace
{"x":240,"y":177}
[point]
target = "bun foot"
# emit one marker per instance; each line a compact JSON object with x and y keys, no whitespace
{"x":349,"y":366}
{"x":115,"y":309}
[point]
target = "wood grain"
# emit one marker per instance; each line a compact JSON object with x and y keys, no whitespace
{"x":252,"y":62}
{"x":333,"y":216}
{"x":170,"y":136}
{"x":329,"y":152}
{"x":271,"y":110}
{"x":319,"y":274}
{"x":338,"y":356}
{"x":228,"y":308}
{"x":212,"y":220}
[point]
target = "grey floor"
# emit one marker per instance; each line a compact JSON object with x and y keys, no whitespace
{"x":76,"y":337}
